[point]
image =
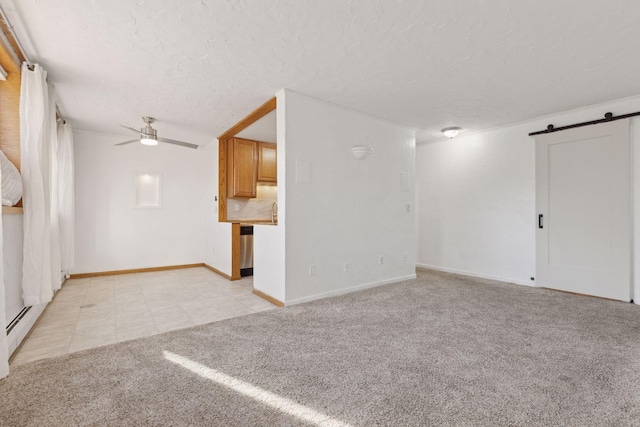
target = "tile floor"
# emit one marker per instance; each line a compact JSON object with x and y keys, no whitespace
{"x":89,"y":313}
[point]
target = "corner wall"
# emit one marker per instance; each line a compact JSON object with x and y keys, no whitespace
{"x":217,"y":235}
{"x":112,"y":235}
{"x":476,"y":197}
{"x":343,"y":210}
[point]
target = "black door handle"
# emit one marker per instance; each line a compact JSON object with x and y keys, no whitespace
{"x":540,"y":221}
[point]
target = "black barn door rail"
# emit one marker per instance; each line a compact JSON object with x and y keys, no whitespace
{"x":608,"y":117}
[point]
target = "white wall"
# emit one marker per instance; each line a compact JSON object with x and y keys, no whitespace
{"x":110,"y":233}
{"x":217,"y":236}
{"x":351,"y":210}
{"x":635,"y":207}
{"x":476,"y":197}
{"x":269,"y":262}
{"x":476,"y":204}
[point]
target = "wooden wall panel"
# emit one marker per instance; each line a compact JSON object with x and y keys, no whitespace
{"x":10,"y":59}
{"x":10,"y":118}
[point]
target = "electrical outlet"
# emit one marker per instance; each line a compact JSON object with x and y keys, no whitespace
{"x":407,"y":207}
{"x":381,"y":259}
{"x":405,"y":257}
{"x":312,"y":270}
{"x":236,"y":207}
{"x":347,"y":267}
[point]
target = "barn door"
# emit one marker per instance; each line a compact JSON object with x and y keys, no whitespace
{"x":583,"y":203}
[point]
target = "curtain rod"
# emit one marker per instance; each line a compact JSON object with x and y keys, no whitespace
{"x":608,"y":117}
{"x":7,"y":29}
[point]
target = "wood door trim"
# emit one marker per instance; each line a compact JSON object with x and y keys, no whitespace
{"x":222,"y":179}
{"x":235,"y":251}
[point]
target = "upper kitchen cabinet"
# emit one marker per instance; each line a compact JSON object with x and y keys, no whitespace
{"x":240,"y":155}
{"x":242,"y":167}
{"x":267,"y":162}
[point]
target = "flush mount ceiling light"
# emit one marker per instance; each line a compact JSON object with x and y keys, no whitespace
{"x":361,"y":151}
{"x":451,"y":132}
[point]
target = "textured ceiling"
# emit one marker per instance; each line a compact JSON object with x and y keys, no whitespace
{"x":200,"y":66}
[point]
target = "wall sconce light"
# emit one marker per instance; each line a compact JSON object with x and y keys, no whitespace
{"x":361,"y":151}
{"x":451,"y":132}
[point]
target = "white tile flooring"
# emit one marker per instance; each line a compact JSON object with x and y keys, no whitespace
{"x":89,"y":313}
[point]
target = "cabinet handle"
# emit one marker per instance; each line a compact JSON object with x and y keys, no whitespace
{"x":540,"y":221}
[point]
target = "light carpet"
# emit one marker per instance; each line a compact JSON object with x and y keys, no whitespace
{"x":439,"y":350}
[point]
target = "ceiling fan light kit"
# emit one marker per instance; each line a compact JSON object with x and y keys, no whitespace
{"x":149,"y":136}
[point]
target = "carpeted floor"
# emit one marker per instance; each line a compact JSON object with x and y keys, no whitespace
{"x":439,"y":350}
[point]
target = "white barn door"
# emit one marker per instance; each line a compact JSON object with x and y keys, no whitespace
{"x":583,"y":203}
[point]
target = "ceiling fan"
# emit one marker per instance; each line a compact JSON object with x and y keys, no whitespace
{"x":149,"y":136}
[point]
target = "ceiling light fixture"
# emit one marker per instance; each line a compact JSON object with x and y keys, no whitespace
{"x":149,"y":140}
{"x":451,"y":132}
{"x":361,"y":151}
{"x":148,"y":135}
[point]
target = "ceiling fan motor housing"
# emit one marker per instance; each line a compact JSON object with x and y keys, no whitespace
{"x":149,"y":132}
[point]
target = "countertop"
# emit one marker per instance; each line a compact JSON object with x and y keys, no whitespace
{"x":255,"y":222}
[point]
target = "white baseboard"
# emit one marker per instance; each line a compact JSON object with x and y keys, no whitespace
{"x":481,"y":276}
{"x":349,"y":290}
{"x":21,"y":330}
{"x":24,"y":326}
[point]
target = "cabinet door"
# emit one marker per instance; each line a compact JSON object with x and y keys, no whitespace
{"x":267,"y":162}
{"x":243,"y":159}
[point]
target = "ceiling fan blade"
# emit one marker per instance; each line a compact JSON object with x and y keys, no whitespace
{"x":181,"y":143}
{"x":129,"y":142}
{"x":131,"y":129}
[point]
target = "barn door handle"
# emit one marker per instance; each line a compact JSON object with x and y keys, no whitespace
{"x":540,"y":221}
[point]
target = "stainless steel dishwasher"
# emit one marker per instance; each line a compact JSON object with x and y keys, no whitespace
{"x":246,"y":250}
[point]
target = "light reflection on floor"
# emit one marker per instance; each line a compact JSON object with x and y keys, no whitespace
{"x":275,"y":401}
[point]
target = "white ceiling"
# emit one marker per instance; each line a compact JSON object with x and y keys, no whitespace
{"x":265,"y":129}
{"x":199,"y":66}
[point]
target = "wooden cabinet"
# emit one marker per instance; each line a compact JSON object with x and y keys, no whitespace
{"x":242,"y":168}
{"x":267,"y":162}
{"x":249,"y":162}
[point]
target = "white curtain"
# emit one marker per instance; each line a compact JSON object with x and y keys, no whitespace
{"x":66,"y":199}
{"x":54,"y":213}
{"x":4,"y":350}
{"x":41,"y":271}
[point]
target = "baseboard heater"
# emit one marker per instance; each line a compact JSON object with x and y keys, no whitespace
{"x":17,"y":319}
